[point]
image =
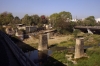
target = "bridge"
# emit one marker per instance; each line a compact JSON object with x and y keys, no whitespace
{"x":11,"y":54}
{"x":89,"y":29}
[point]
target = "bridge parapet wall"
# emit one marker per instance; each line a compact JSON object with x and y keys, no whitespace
{"x":43,"y":42}
{"x":20,"y":56}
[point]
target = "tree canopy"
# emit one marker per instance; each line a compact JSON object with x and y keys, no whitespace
{"x":27,"y":20}
{"x":35,"y":19}
{"x":61,"y":21}
{"x":17,"y":20}
{"x":90,"y":21}
{"x":65,"y":15}
{"x":6,"y":18}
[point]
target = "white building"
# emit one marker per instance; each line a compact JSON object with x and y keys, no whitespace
{"x":74,"y":20}
{"x":97,"y":20}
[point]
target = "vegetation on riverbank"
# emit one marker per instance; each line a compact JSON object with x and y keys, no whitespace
{"x":93,"y":52}
{"x":93,"y":60}
{"x":58,"y":55}
{"x":57,"y":59}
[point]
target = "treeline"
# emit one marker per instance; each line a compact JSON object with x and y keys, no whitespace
{"x":60,"y":21}
{"x":7,"y":18}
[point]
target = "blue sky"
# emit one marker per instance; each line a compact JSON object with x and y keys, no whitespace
{"x":79,"y":8}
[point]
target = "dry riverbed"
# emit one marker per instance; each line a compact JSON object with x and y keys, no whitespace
{"x":53,"y":40}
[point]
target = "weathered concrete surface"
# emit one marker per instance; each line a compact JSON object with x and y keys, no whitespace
{"x":79,"y":48}
{"x":43,"y":42}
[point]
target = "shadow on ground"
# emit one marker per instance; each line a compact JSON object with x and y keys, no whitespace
{"x":25,"y":47}
{"x":43,"y":58}
{"x":52,"y":45}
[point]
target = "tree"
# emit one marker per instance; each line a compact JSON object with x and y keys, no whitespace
{"x":66,"y":16}
{"x":6,"y":18}
{"x":17,"y":20}
{"x":54,"y":18}
{"x":60,"y":21}
{"x":90,"y":21}
{"x":43,"y":19}
{"x":35,"y":19}
{"x":27,"y":20}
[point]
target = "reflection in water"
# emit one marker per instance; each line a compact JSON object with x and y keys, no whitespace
{"x":39,"y":57}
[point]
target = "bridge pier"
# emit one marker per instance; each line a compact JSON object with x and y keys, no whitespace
{"x":43,"y":42}
{"x":79,"y":48}
{"x":48,"y":35}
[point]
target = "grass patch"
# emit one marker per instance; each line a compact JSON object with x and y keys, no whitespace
{"x":57,"y":59}
{"x":60,"y":55}
{"x":34,"y":45}
{"x":93,"y":60}
{"x":66,"y":43}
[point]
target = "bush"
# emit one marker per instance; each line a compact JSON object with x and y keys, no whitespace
{"x":75,"y":33}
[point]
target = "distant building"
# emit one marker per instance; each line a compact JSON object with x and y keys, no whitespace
{"x":21,"y":26}
{"x":27,"y":28}
{"x":74,"y":20}
{"x":97,"y":20}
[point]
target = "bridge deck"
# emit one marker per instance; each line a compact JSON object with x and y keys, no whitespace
{"x":88,"y":27}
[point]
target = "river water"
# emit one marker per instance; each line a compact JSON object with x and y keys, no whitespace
{"x":38,"y":57}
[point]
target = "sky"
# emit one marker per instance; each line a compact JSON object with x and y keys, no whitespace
{"x":79,"y":8}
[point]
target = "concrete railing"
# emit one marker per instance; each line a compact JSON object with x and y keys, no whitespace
{"x":19,"y":54}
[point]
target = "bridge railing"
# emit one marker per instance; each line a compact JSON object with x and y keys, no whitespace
{"x":19,"y":54}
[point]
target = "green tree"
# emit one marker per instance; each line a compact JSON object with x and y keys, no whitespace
{"x":17,"y":20}
{"x":6,"y":18}
{"x":90,"y":21}
{"x":35,"y":19}
{"x":54,"y":18}
{"x":27,"y":20}
{"x":66,"y":16}
{"x":79,"y":23}
{"x":61,"y":21}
